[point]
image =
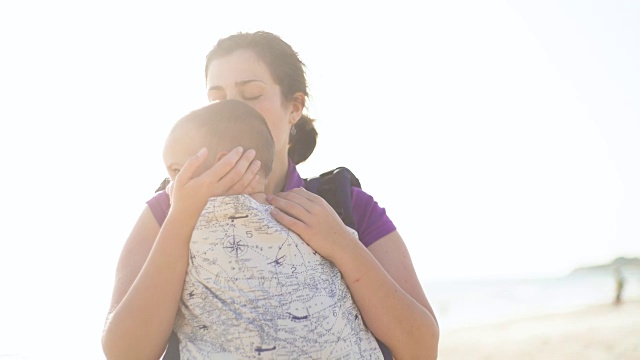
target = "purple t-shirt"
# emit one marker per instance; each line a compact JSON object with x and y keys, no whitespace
{"x":370,"y":219}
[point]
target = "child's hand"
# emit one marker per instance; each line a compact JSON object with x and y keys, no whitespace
{"x":311,"y":217}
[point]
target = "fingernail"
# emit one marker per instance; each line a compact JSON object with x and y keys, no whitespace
{"x":238,"y":149}
{"x":251,"y":152}
{"x":269,"y":197}
{"x":202,"y":152}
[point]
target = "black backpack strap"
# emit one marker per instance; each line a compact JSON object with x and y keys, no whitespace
{"x":163,"y":184}
{"x":334,"y":187}
{"x":173,"y":348}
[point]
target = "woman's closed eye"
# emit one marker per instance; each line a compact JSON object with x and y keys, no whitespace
{"x":215,"y":95}
{"x":252,"y":90}
{"x":248,"y":95}
{"x":248,"y":90}
{"x":250,"y":98}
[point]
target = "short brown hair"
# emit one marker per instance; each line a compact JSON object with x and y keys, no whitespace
{"x":227,"y":124}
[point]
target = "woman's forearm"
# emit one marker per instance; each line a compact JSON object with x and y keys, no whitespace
{"x":393,"y":316}
{"x":138,"y":328}
{"x":387,"y":292}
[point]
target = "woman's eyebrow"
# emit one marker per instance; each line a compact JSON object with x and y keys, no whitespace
{"x":215,"y":87}
{"x":245,"y":82}
{"x":238,"y":83}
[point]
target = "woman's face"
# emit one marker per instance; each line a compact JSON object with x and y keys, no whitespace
{"x":243,"y":76}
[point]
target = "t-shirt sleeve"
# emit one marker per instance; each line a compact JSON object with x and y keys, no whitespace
{"x":159,"y":206}
{"x":371,"y":220}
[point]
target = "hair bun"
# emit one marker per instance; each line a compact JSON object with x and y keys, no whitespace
{"x":302,"y":144}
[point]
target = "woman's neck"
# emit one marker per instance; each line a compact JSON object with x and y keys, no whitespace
{"x":278,"y":176}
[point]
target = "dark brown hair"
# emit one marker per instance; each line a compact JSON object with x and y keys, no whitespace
{"x":287,"y":70}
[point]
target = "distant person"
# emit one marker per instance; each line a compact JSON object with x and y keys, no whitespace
{"x":254,"y":287}
{"x":619,"y":277}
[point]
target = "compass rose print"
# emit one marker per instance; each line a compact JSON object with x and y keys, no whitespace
{"x":235,"y":246}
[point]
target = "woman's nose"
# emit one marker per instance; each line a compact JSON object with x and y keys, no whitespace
{"x":233,"y":94}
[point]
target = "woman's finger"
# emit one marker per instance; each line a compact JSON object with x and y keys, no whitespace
{"x":190,"y":167}
{"x":245,"y":182}
{"x":288,"y":206}
{"x":296,"y":197}
{"x":292,"y":223}
{"x":306,"y":194}
{"x":214,"y":174}
{"x":253,"y":185}
{"x":169,"y":190}
{"x":236,"y":173}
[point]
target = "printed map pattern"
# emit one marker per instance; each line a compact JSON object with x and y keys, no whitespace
{"x":256,"y":290}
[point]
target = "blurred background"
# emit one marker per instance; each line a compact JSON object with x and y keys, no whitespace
{"x":501,"y":137}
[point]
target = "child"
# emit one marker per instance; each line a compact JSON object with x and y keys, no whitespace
{"x":255,"y":289}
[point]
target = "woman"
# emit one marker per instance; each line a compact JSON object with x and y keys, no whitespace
{"x":264,"y":71}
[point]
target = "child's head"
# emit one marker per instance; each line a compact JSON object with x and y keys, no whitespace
{"x":220,"y":127}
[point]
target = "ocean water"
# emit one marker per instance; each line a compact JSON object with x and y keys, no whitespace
{"x":72,"y":330}
{"x":469,"y":303}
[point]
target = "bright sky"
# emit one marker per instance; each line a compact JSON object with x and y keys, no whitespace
{"x":515,"y":124}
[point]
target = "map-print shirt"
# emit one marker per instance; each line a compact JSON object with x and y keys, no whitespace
{"x":255,"y":290}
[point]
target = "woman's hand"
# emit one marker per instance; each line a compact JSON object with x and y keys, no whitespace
{"x":235,"y":173}
{"x":311,"y":217}
{"x":390,"y":299}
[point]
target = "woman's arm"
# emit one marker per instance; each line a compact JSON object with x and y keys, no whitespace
{"x":393,"y":256}
{"x":152,"y":267}
{"x":143,"y":310}
{"x":386,"y":291}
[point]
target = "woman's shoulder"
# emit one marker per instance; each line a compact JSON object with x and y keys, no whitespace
{"x":371,"y":219}
{"x":159,"y":206}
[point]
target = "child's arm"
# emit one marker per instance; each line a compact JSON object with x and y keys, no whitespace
{"x":154,"y":261}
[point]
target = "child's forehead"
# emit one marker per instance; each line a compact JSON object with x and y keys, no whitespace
{"x":188,"y":134}
{"x":179,"y":148}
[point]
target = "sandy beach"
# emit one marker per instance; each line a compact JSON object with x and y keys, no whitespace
{"x":595,"y":333}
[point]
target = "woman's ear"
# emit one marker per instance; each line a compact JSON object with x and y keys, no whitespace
{"x":297,"y":106}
